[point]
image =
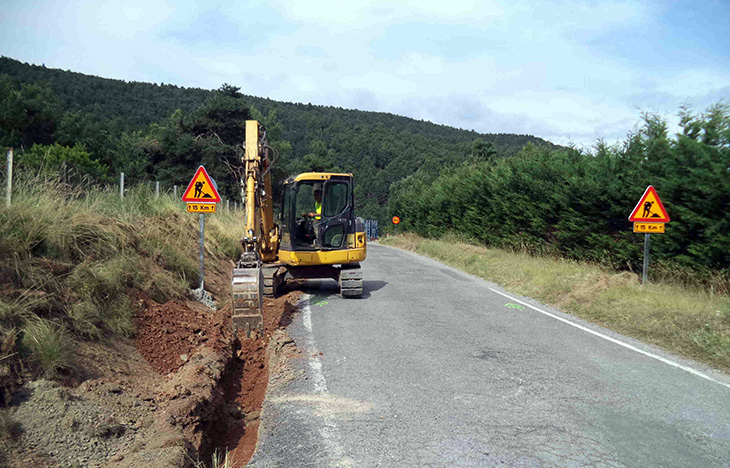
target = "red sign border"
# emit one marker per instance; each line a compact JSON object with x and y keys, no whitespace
{"x":217,"y":197}
{"x":396,"y":219}
{"x":634,"y":214}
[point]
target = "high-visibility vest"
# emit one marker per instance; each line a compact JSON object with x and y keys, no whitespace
{"x":318,"y":209}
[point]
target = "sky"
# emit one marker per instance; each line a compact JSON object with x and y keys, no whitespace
{"x":565,"y":71}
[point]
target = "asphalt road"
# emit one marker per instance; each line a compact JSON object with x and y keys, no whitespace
{"x":436,"y":368}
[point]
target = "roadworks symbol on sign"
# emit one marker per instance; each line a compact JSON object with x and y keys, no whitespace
{"x":649,"y":209}
{"x":201,"y":189}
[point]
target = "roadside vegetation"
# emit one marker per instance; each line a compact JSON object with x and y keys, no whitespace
{"x":575,"y":203}
{"x":691,"y":321}
{"x":72,"y":259}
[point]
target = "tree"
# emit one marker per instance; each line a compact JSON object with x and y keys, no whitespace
{"x":75,"y":160}
{"x":96,"y":135}
{"x":28,"y":114}
{"x":319,"y":159}
{"x":482,"y":150}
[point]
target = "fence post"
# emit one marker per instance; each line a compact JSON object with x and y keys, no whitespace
{"x":174,"y":191}
{"x":9,"y":172}
{"x":228,"y":205}
{"x":121,"y":185}
{"x":157,"y":190}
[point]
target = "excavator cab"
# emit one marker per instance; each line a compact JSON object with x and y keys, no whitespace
{"x":317,"y":214}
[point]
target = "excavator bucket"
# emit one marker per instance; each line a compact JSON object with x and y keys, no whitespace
{"x":247,"y":288}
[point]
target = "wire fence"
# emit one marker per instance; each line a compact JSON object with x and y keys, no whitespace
{"x":123,"y":184}
{"x":11,"y":174}
{"x":176,"y":190}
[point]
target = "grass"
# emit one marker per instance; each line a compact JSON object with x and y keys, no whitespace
{"x":217,"y":460}
{"x":50,"y":344}
{"x":70,"y":256}
{"x":690,"y":321}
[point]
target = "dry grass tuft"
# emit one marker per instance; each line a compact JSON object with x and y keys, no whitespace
{"x":70,"y":256}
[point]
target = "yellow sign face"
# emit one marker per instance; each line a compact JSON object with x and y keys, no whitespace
{"x":201,"y":189}
{"x":649,"y":209}
{"x":201,"y":207}
{"x":649,"y":228}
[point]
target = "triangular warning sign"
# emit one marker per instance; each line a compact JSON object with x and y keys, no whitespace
{"x":649,"y":209}
{"x":201,"y":189}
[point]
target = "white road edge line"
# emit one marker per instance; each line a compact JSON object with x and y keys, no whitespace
{"x":613,"y":340}
{"x":328,"y":430}
{"x":318,"y":380}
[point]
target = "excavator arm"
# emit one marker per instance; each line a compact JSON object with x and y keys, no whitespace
{"x":261,"y":235}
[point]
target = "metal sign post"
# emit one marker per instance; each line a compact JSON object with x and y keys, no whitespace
{"x":202,"y":251}
{"x":645,"y":271}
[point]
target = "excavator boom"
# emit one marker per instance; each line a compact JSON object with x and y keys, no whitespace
{"x":260,"y":242}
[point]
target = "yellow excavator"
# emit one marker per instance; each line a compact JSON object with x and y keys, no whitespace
{"x":317,"y":234}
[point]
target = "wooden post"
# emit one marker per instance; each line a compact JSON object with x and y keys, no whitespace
{"x":9,"y":172}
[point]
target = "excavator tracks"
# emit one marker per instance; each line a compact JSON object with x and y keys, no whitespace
{"x":247,"y":288}
{"x":273,"y":279}
{"x":350,"y":281}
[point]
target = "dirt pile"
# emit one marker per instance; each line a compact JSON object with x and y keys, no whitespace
{"x":95,"y":417}
{"x":168,"y":334}
{"x":182,"y":388}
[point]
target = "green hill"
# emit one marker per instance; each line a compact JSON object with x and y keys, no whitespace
{"x":104,"y":114}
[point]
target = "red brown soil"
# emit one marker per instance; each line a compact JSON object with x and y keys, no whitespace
{"x":248,"y":377}
{"x":169,"y":333}
{"x":181,"y":385}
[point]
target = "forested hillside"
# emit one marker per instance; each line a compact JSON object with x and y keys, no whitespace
{"x":161,"y":132}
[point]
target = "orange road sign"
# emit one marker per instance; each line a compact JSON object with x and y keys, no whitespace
{"x":396,"y":220}
{"x":201,"y":207}
{"x":201,"y":189}
{"x":649,"y":209}
{"x":649,"y":228}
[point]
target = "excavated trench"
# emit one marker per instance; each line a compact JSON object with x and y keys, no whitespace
{"x":239,"y":396}
{"x":177,"y":392}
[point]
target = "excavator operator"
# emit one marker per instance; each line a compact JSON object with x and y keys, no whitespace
{"x":317,"y":214}
{"x":308,"y":226}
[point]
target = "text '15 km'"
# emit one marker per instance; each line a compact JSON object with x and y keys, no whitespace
{"x":649,"y":227}
{"x":201,"y":208}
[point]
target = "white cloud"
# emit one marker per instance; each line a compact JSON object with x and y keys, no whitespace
{"x":552,"y":68}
